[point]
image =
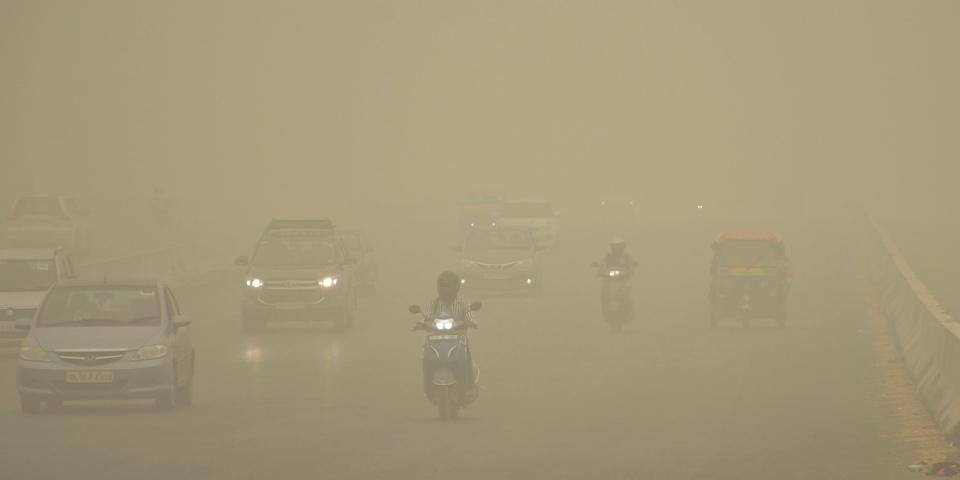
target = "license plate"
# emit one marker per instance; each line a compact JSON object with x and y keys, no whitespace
{"x":89,"y":377}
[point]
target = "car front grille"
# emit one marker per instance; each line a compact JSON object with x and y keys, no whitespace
{"x":291,"y":295}
{"x":91,"y":358}
{"x":91,"y":387}
{"x":496,"y":266}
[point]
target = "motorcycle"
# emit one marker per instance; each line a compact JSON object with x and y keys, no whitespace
{"x":450,"y":385}
{"x":616,"y":299}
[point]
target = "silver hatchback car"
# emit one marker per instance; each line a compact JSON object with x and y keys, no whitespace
{"x":114,"y":340}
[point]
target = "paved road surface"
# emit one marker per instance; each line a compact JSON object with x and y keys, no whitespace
{"x":562,"y":398}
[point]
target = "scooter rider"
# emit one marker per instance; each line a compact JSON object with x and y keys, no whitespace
{"x":618,"y":256}
{"x":449,"y":302}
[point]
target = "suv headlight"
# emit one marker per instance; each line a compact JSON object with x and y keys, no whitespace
{"x":150,"y":352}
{"x":254,"y":282}
{"x":328,"y":282}
{"x":32,"y":352}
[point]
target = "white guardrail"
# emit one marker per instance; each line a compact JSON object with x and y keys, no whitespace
{"x":929,"y":338}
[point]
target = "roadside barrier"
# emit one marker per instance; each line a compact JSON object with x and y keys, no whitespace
{"x":929,"y":338}
{"x":166,"y":264}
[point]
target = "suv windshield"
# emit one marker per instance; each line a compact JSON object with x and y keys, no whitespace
{"x":747,"y":253}
{"x":499,"y":240}
{"x":296,"y":248}
{"x":527,"y":210}
{"x":39,"y":206}
{"x":26,"y":275}
{"x":105,"y":305}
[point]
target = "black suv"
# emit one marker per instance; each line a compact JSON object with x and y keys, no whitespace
{"x":300,"y":270}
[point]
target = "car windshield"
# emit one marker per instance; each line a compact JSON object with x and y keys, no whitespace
{"x":291,"y":249}
{"x":747,"y":253}
{"x":106,"y":305}
{"x":26,"y":275}
{"x":527,"y":210}
{"x":499,"y":240}
{"x":38,"y":206}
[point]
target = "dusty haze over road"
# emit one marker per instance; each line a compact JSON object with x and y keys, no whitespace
{"x":384,"y":114}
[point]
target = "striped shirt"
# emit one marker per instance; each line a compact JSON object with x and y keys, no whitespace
{"x":458,"y":309}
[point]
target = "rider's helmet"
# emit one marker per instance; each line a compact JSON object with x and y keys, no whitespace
{"x":448,"y":285}
{"x":618,"y":245}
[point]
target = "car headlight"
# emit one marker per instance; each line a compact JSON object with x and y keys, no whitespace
{"x":150,"y":352}
{"x":328,"y":282}
{"x":33,"y":353}
{"x":443,"y":323}
{"x":614,"y":273}
{"x":254,"y":282}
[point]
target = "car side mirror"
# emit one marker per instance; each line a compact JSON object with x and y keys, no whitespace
{"x":180,"y":322}
{"x":456,"y":248}
{"x":242,"y":261}
{"x":595,"y":265}
{"x":540,"y":248}
{"x":22,"y":324}
{"x":414,"y":309}
{"x":349,"y":261}
{"x":475,"y":306}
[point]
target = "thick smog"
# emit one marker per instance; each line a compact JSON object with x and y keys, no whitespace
{"x":479,"y":239}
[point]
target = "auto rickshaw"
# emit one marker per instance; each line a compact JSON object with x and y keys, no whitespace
{"x":751,"y":278}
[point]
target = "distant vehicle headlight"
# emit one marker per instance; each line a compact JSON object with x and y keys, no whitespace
{"x":150,"y":352}
{"x":32,"y":352}
{"x":254,"y":282}
{"x":328,"y":282}
{"x":615,"y":273}
{"x":443,"y":323}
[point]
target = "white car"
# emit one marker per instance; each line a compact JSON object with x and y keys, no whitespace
{"x":536,"y":215}
{"x":25,"y":276}
{"x":45,"y":220}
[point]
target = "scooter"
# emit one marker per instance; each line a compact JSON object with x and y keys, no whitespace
{"x":616,"y":299}
{"x":446,"y":359}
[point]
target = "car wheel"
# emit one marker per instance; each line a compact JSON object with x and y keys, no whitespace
{"x":184,"y":396}
{"x":168,"y":398}
{"x":29,"y":404}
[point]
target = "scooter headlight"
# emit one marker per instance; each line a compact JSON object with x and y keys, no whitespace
{"x":615,"y":273}
{"x":443,"y":324}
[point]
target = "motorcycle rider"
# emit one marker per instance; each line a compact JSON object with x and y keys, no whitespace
{"x":618,"y":258}
{"x":449,"y":302}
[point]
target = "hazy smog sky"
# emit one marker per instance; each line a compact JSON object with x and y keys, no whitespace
{"x":267,"y":101}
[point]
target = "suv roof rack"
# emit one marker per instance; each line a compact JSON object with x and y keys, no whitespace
{"x":284,"y":224}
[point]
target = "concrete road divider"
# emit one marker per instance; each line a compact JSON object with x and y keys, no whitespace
{"x":929,"y":338}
